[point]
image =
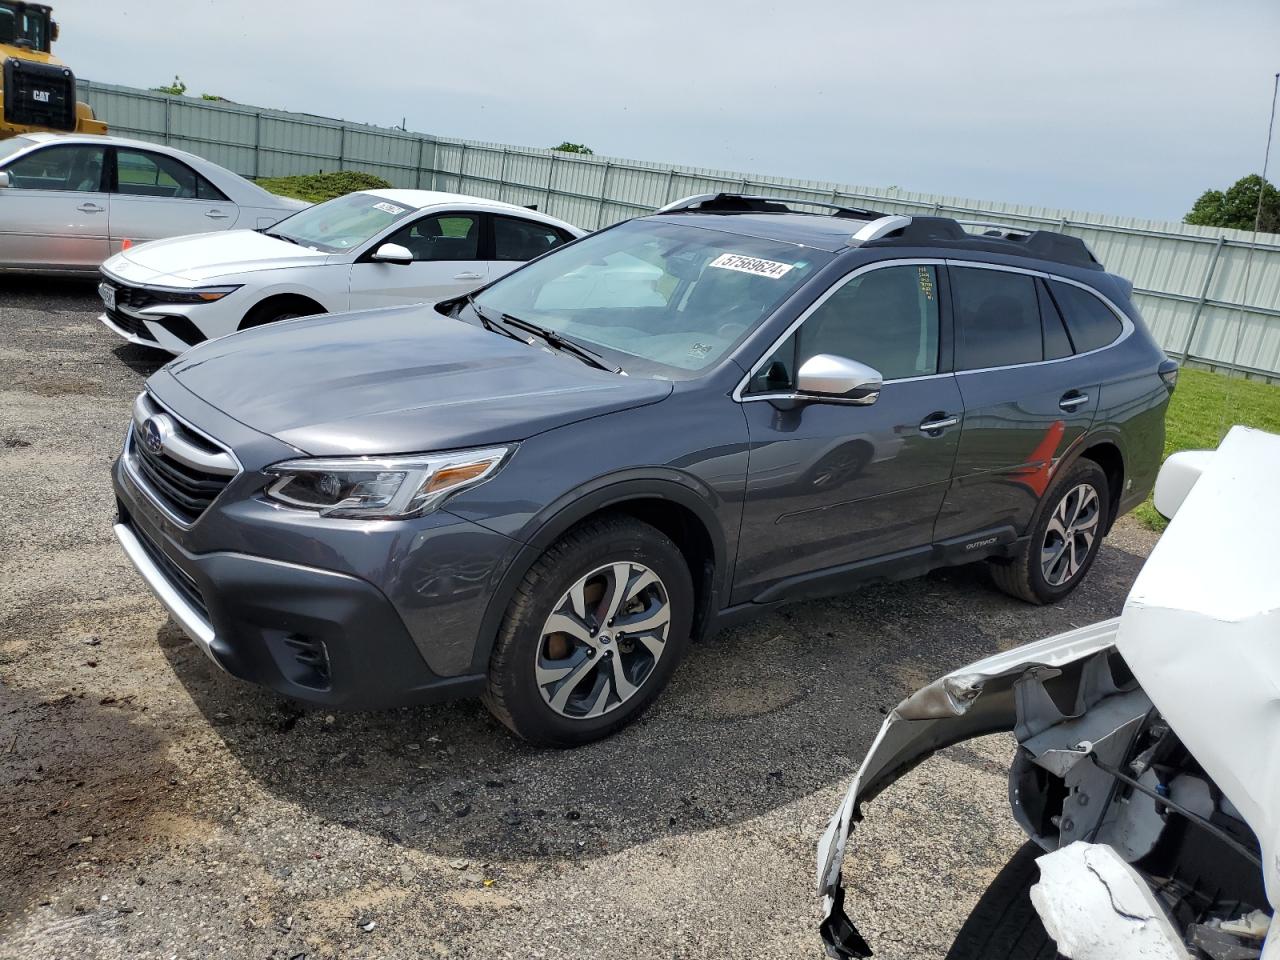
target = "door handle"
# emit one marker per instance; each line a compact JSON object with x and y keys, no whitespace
{"x":467,"y":276}
{"x":216,"y":215}
{"x":90,"y":208}
{"x":938,"y":424}
{"x":1072,"y":400}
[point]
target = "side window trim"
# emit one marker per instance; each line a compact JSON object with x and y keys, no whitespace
{"x":1126,"y":323}
{"x":740,"y":393}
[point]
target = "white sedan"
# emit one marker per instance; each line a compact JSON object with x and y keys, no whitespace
{"x":69,"y":201}
{"x":369,"y":249}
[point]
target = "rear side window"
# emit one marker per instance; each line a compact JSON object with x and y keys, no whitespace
{"x":523,"y":239}
{"x":885,"y":318}
{"x":1091,"y":322}
{"x":140,"y":173}
{"x":997,"y":318}
{"x":58,"y":168}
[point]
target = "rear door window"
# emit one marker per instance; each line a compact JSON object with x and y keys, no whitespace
{"x":69,"y":167}
{"x":515,"y":239}
{"x":1056,"y":342}
{"x":997,"y":318}
{"x":141,"y":173}
{"x":1091,"y":322}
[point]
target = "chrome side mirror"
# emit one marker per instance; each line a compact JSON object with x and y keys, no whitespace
{"x":825,"y":376}
{"x":393,"y":253}
{"x":4,"y":178}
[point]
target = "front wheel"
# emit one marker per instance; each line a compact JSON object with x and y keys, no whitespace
{"x":1004,"y":924}
{"x":1064,"y":539}
{"x":593,"y":634}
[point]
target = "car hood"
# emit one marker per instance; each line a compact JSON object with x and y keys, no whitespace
{"x":400,"y":380}
{"x":209,"y":256}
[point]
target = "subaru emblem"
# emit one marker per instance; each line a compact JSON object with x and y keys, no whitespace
{"x":152,"y":437}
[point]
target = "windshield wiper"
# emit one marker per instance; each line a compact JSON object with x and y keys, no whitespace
{"x":487,"y":321}
{"x":561,"y":342}
{"x":281,"y":236}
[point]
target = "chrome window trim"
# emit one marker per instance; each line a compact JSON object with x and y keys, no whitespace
{"x":1126,"y":324}
{"x":740,"y":396}
{"x":128,"y":456}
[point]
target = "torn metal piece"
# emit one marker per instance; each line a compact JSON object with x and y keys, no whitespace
{"x":1097,"y":907}
{"x":1222,"y":946}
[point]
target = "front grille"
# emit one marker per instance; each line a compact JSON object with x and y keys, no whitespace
{"x":134,"y":297}
{"x":179,"y":578}
{"x":171,"y":476}
{"x":130,"y":325}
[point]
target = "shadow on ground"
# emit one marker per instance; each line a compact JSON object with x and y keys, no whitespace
{"x":755,"y":719}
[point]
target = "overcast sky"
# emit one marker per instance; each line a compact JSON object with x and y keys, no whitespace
{"x":1118,"y":106}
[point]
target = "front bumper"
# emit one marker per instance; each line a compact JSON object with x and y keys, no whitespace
{"x":310,"y":634}
{"x":974,"y":701}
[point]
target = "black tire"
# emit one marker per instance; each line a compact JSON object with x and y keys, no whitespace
{"x":268,"y":312}
{"x":1022,"y":576}
{"x":1004,"y":924}
{"x":514,"y":695}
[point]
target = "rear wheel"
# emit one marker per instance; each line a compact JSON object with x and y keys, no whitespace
{"x":1064,"y":539}
{"x":592,"y":635}
{"x":1004,"y":924}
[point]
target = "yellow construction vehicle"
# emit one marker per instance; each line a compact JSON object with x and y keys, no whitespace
{"x":38,"y":92}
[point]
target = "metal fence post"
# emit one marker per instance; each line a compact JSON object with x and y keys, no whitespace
{"x":502,"y":173}
{"x":257,"y":145}
{"x":417,"y":174}
{"x":671,"y":179}
{"x":342,"y":146}
{"x":604,"y":193}
{"x":1204,"y":295}
{"x":551,"y":176}
{"x":168,"y":121}
{"x":462,"y":166}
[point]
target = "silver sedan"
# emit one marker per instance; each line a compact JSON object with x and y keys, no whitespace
{"x":70,"y":201}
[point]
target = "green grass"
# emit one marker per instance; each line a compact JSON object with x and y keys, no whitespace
{"x":318,"y":187}
{"x":1205,"y":405}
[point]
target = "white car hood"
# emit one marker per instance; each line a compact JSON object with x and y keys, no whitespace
{"x":209,"y":256}
{"x":1201,"y":631}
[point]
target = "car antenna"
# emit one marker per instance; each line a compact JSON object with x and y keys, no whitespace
{"x":1248,"y":263}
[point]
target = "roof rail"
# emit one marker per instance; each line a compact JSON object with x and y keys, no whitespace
{"x":1002,"y":230}
{"x":881,"y":227}
{"x":747,"y":203}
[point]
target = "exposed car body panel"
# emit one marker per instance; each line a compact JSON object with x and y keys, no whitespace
{"x":200,"y":259}
{"x":1201,"y":641}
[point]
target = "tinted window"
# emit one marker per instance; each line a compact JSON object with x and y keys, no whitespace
{"x":1056,"y":342}
{"x":58,"y":168}
{"x":997,"y":318}
{"x":1091,"y":322}
{"x":886,"y":318}
{"x":449,"y":236}
{"x":143,"y":174}
{"x":522,"y":239}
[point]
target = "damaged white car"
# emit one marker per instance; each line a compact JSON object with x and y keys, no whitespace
{"x":1147,"y":773}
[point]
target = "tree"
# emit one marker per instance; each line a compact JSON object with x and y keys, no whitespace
{"x":568,"y":147}
{"x":177,"y":88}
{"x":1237,"y":206}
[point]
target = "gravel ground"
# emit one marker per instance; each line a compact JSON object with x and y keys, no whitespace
{"x":150,"y":807}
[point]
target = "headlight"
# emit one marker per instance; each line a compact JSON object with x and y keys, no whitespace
{"x":381,"y":488}
{"x":195,"y":295}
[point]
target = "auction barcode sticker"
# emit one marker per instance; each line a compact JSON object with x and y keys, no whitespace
{"x":753,"y":265}
{"x":390,"y":208}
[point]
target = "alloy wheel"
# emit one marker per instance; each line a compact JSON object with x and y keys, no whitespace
{"x":1072,"y":530}
{"x":602,"y":640}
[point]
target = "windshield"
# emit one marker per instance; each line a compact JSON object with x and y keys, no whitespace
{"x":673,"y":295}
{"x":24,"y":27}
{"x":342,"y":223}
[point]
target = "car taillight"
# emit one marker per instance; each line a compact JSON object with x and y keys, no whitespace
{"x":1168,"y":371}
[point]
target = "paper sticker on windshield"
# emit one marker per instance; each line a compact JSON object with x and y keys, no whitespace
{"x":390,"y":208}
{"x":753,"y":265}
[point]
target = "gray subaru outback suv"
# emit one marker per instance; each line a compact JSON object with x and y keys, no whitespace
{"x":541,"y":493}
